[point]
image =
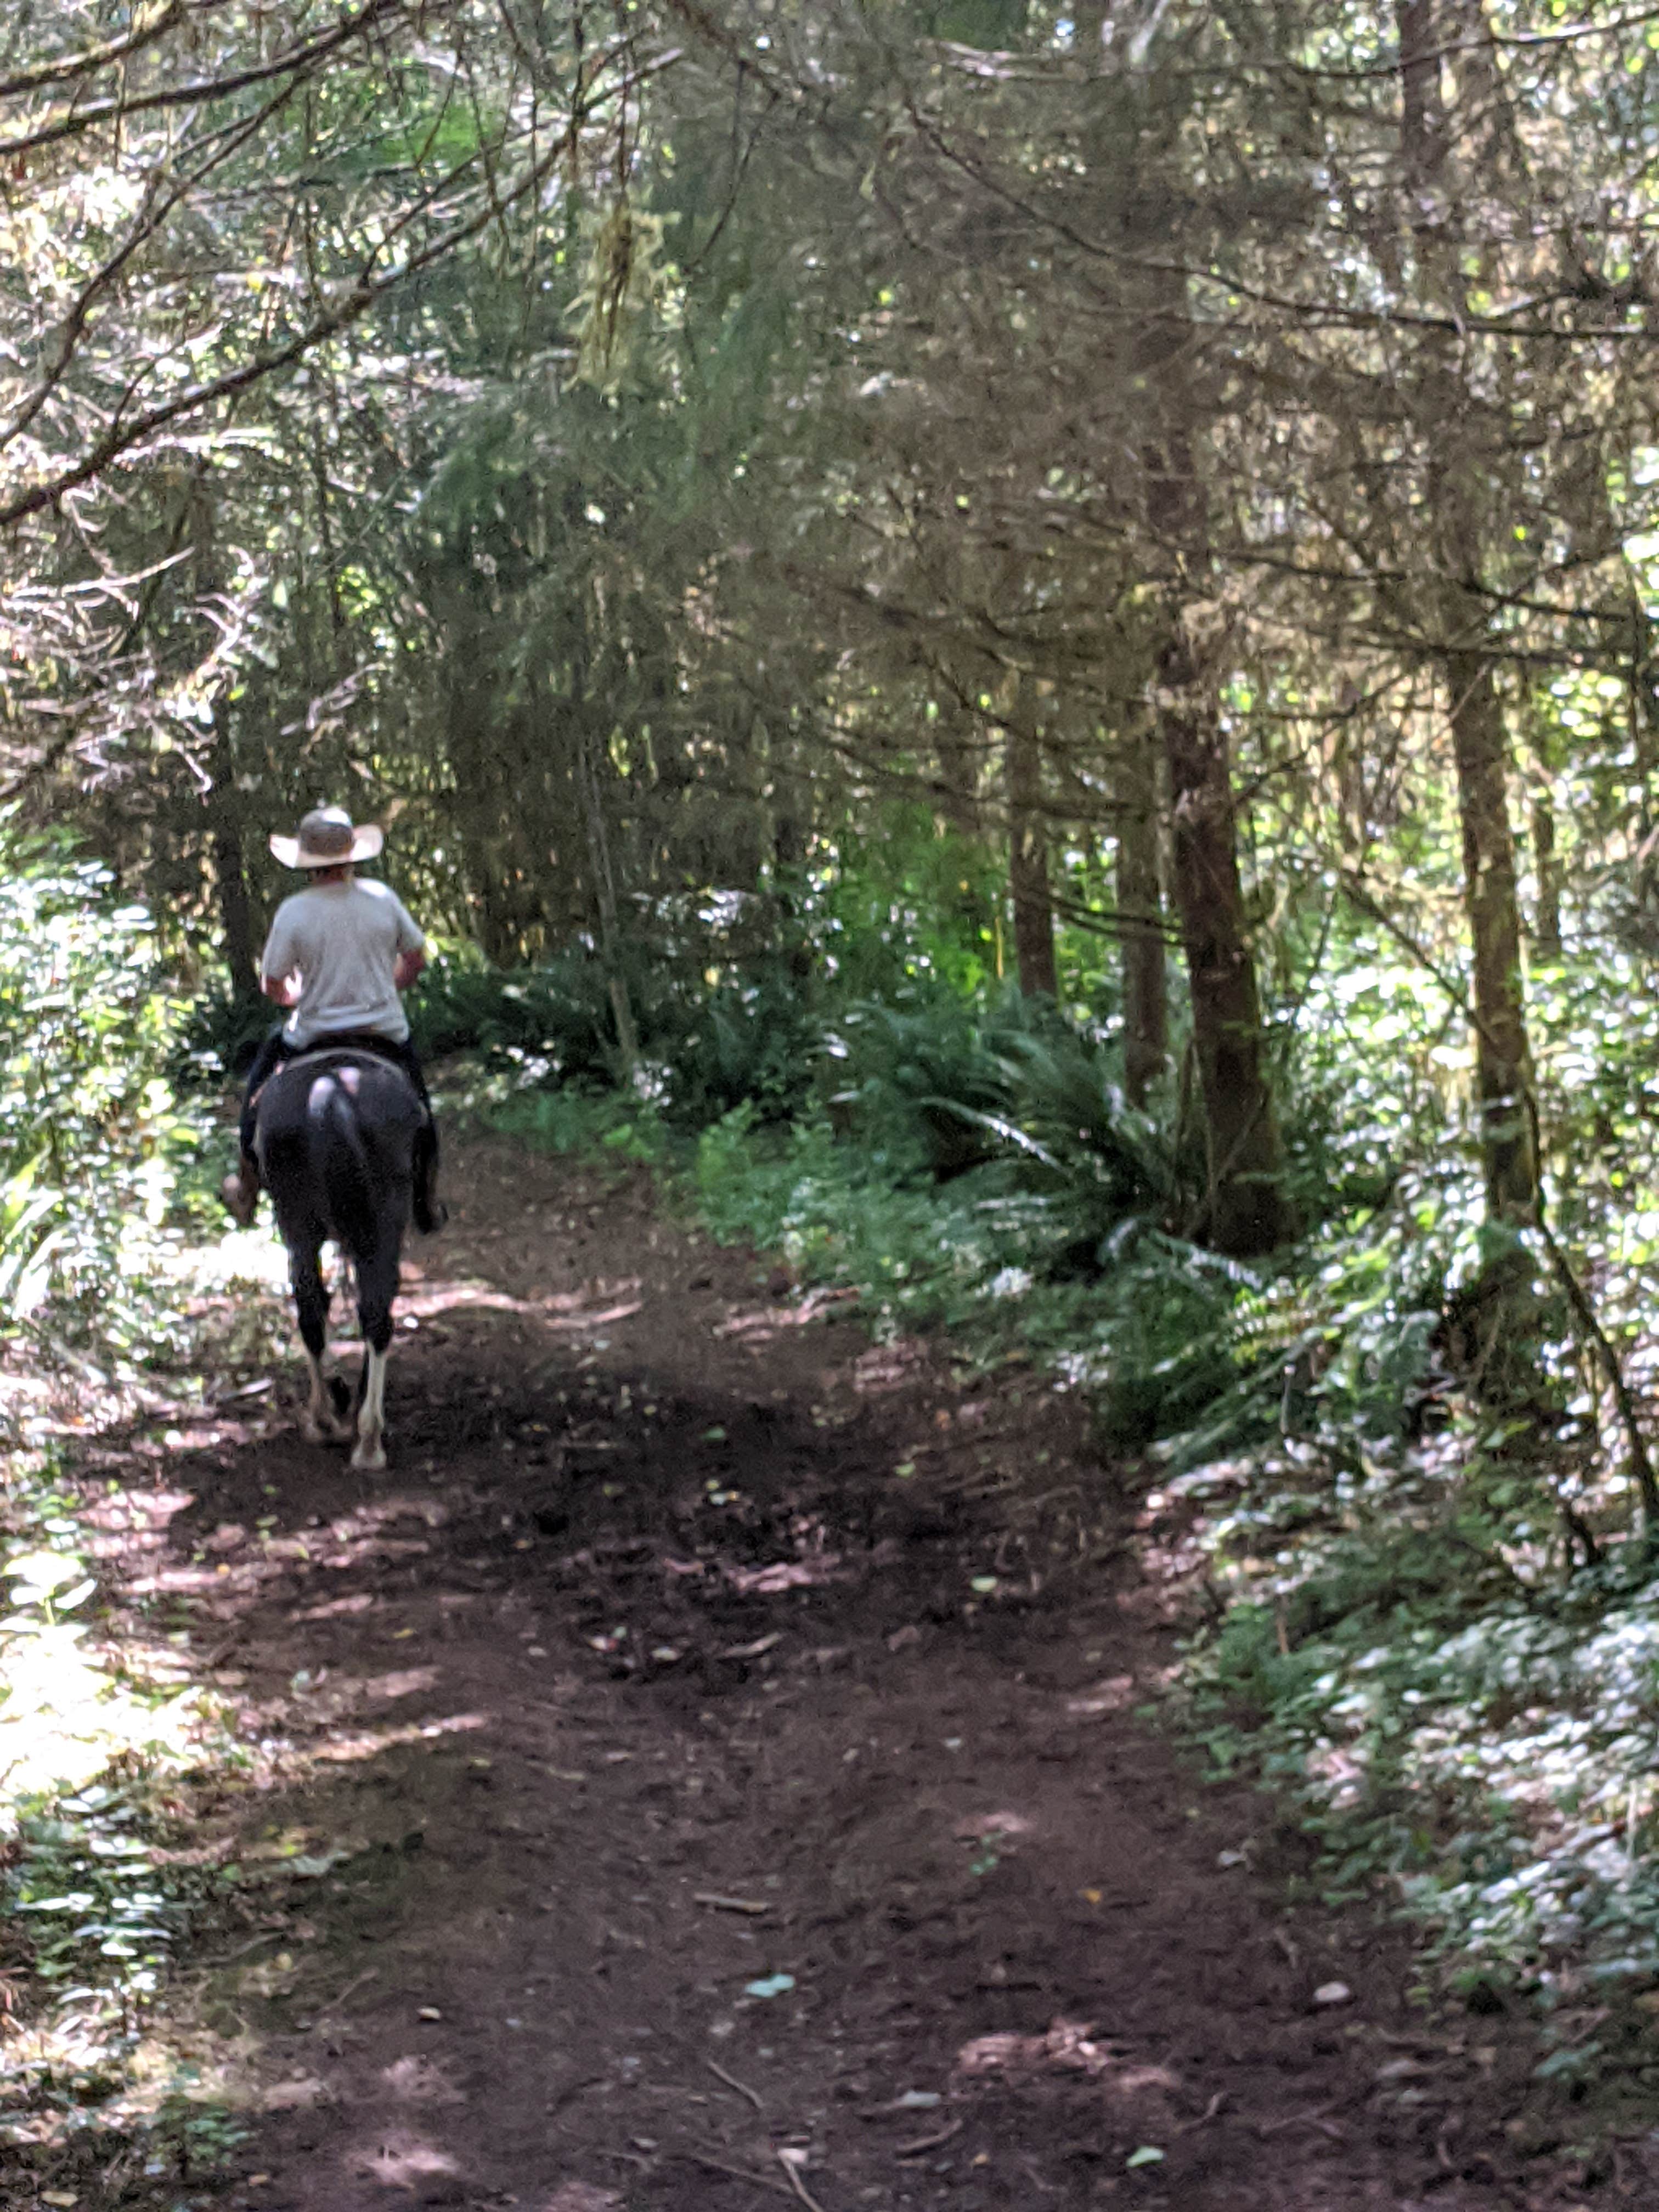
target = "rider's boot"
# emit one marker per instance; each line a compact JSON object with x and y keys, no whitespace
{"x":240,"y":1191}
{"x":429,"y":1210}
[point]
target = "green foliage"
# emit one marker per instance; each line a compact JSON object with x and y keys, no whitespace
{"x":608,"y":1126}
{"x":893,"y":906}
{"x":92,"y":1137}
{"x":1477,"y":1753}
{"x":707,"y":1047}
{"x":96,"y":1894}
{"x":990,"y":1259}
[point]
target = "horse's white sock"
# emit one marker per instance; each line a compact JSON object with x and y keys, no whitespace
{"x":371,"y":1414}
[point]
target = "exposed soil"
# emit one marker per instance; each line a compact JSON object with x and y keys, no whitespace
{"x":693,"y":1649}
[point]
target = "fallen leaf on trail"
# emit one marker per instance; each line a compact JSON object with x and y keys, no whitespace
{"x":1148,"y":2155}
{"x":902,"y":1638}
{"x":979,"y":1824}
{"x":57,"y":2197}
{"x":923,"y":2144}
{"x":293,"y":2096}
{"x":429,"y":2012}
{"x":773,"y":1985}
{"x":984,"y":1585}
{"x":715,"y":1436}
{"x":1333,"y":1993}
{"x":786,"y":1574}
{"x":1109,"y":1696}
{"x":757,"y":1650}
{"x":918,"y":2101}
{"x":1400,"y":2070}
{"x":1066,"y":2046}
{"x":312,"y":1868}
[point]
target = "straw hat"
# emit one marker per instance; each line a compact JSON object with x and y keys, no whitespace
{"x":327,"y":839}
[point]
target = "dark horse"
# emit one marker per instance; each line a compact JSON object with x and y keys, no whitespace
{"x":335,"y":1134}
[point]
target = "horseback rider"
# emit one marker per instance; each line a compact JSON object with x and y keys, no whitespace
{"x":339,"y":953}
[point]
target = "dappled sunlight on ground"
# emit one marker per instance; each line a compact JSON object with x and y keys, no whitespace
{"x":400,"y":2159}
{"x":240,"y":1259}
{"x":706,"y":1778}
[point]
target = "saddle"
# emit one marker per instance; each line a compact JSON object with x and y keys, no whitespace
{"x":336,"y":1052}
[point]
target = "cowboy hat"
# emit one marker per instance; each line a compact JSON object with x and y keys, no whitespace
{"x":327,"y":839}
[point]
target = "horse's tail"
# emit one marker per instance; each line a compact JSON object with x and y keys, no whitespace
{"x":340,"y":1163}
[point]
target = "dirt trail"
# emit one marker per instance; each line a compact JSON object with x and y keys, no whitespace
{"x":708,"y":1839}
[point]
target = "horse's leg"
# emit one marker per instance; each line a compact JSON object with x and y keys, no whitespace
{"x":320,"y":1423}
{"x":377,"y":1286}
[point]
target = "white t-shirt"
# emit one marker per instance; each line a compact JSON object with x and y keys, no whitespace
{"x":344,"y":939}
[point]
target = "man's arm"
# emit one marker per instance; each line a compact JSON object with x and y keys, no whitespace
{"x":407,"y":967}
{"x":280,"y":978}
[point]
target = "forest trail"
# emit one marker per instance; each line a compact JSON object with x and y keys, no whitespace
{"x":693,"y":1833}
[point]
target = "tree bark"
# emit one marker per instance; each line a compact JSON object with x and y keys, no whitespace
{"x":1547,"y":866}
{"x":599,"y":847}
{"x":1028,"y":851}
{"x":791,"y":841}
{"x":1504,"y":1065}
{"x":958,"y":771}
{"x":1246,"y":1212}
{"x":224,"y":840}
{"x":235,"y":907}
{"x":1140,"y":921}
{"x":1449,"y":427}
{"x":1249,"y":1213}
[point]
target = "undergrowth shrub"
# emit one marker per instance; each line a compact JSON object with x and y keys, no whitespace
{"x":93,"y":1138}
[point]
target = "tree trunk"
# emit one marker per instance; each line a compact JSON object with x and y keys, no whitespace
{"x":1546,"y":864}
{"x":1503,"y":1070}
{"x":1161,"y":380}
{"x":791,"y":843}
{"x":1449,"y":427}
{"x":235,"y":907}
{"x":1140,"y":922}
{"x":599,"y":848}
{"x":224,"y":840}
{"x":1028,"y":851}
{"x":1248,"y":1211}
{"x":958,"y":771}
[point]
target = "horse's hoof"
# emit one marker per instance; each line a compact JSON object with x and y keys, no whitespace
{"x":367,"y":1462}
